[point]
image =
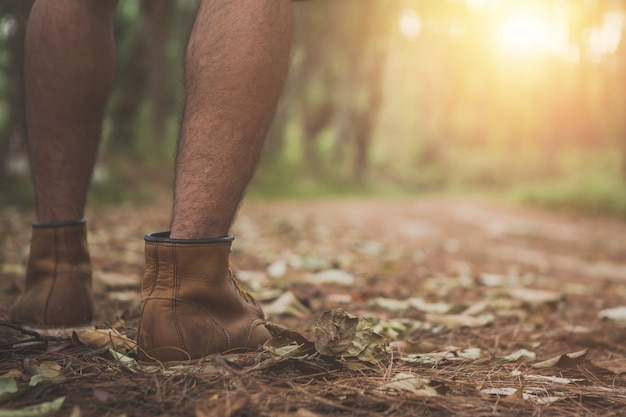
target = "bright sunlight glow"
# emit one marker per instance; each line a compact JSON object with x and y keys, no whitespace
{"x":522,"y":32}
{"x":527,"y":29}
{"x":410,"y":23}
{"x":605,"y":39}
{"x":526,"y":32}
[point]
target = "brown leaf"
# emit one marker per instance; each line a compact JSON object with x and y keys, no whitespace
{"x":99,"y":338}
{"x":568,"y":360}
{"x":417,"y":385}
{"x":342,"y":335}
{"x":334,"y":332}
{"x":287,"y":305}
{"x":616,"y":366}
{"x":517,"y":398}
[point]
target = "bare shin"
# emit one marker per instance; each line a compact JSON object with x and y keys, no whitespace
{"x":236,"y":63}
{"x":68,"y":72}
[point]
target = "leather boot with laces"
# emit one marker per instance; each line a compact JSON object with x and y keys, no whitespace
{"x":191,"y":304}
{"x":57,"y":289}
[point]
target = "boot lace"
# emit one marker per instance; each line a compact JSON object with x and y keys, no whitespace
{"x":243,"y":293}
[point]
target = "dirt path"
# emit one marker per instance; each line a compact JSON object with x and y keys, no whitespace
{"x":434,"y":275}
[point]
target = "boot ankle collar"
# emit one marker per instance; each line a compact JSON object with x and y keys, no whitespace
{"x":64,"y":223}
{"x":164,"y":237}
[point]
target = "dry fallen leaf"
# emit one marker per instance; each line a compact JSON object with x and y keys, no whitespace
{"x":277,"y":270}
{"x":617,"y":366}
{"x":521,"y":355}
{"x":287,"y":305}
{"x":342,"y":335}
{"x":287,"y":343}
{"x":38,"y":410}
{"x":44,"y":372}
{"x":100,"y":338}
{"x":615,"y":314}
{"x":7,"y":386}
{"x":285,"y":347}
{"x":331,"y":276}
{"x":518,"y":396}
{"x":433,"y":358}
{"x":555,"y":379}
{"x":568,"y":360}
{"x":535,"y":297}
{"x":403,"y":381}
{"x":455,"y":321}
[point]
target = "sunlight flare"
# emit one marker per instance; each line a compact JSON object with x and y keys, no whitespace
{"x":532,"y":32}
{"x":410,"y":23}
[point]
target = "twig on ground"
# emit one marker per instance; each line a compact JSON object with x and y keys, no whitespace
{"x":36,"y":336}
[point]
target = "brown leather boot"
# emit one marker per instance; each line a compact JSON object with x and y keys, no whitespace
{"x":191,"y":305}
{"x":57,"y":291}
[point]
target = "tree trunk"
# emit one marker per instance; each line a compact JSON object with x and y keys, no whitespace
{"x":158,"y":22}
{"x":13,"y":154}
{"x":126,"y":102}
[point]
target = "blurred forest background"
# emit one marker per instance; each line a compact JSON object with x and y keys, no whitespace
{"x":520,"y":98}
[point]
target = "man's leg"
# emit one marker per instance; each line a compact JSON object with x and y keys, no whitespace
{"x":68,"y":72}
{"x":237,"y":60}
{"x":236,"y":64}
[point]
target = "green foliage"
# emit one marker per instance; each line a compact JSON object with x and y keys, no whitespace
{"x":127,"y":179}
{"x":17,"y":192}
{"x":116,"y":189}
{"x":591,"y":195}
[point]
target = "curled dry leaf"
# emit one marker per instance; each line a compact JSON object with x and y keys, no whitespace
{"x":286,"y":347}
{"x":126,"y":361}
{"x":46,"y":368}
{"x":342,"y":335}
{"x":395,"y":329}
{"x":100,"y":338}
{"x":287,"y":343}
{"x":521,"y":355}
{"x":44,"y":372}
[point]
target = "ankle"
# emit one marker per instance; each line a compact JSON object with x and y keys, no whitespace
{"x":59,"y":223}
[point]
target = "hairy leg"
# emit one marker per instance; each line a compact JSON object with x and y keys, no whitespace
{"x":68,"y":72}
{"x":236,"y":63}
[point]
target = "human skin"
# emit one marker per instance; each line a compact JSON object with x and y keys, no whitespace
{"x":235,"y":66}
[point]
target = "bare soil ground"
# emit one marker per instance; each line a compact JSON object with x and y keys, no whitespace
{"x":472,"y":297}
